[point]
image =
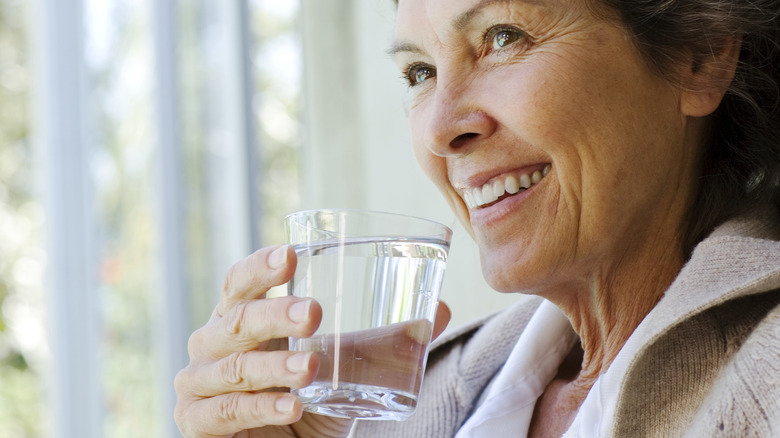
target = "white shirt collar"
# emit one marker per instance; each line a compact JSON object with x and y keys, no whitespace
{"x":507,"y":404}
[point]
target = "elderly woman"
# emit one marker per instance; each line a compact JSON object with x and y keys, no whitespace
{"x":617,"y":160}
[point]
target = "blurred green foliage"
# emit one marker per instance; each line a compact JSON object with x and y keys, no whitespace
{"x":119,"y":63}
{"x":21,"y":384}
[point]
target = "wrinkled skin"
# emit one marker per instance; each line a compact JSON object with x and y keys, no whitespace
{"x":499,"y":88}
{"x":235,"y":384}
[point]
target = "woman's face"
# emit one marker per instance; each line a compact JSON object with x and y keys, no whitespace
{"x":552,"y":140}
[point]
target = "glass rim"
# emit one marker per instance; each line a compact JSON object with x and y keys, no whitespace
{"x":447,"y":230}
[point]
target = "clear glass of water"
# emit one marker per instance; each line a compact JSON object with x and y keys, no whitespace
{"x":377,"y":277}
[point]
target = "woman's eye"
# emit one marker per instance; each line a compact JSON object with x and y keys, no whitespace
{"x":419,"y":73}
{"x":502,"y":37}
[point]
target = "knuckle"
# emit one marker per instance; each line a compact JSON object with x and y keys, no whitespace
{"x":228,"y":407}
{"x":247,"y":278}
{"x":180,"y":382}
{"x":254,"y":270}
{"x":236,"y":319}
{"x":194,"y":343}
{"x":230,"y":280}
{"x":232,"y":369}
{"x":180,"y":418}
{"x":234,"y":283}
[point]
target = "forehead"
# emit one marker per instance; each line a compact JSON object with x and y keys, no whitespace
{"x":455,"y":13}
{"x":418,"y":18}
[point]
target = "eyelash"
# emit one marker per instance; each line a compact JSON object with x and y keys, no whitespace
{"x":490,"y":34}
{"x":412,"y":70}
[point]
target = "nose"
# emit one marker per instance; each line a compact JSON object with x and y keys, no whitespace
{"x":457,"y":122}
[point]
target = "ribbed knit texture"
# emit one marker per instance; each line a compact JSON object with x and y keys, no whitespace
{"x":673,"y":377}
{"x":708,"y":361}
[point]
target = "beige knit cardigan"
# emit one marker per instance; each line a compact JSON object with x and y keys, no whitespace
{"x":708,"y":362}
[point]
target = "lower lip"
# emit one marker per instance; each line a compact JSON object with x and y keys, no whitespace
{"x":494,"y":213}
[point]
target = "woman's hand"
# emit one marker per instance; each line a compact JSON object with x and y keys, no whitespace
{"x":236,"y":382}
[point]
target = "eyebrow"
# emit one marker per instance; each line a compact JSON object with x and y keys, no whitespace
{"x":459,"y":23}
{"x":403,"y":47}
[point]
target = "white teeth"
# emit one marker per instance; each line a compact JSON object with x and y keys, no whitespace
{"x":498,"y":188}
{"x":477,"y":193}
{"x":490,"y":192}
{"x":525,"y":181}
{"x":488,"y":195}
{"x":511,"y":185}
{"x":469,"y":199}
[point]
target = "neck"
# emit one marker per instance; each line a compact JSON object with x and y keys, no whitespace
{"x":607,"y":307}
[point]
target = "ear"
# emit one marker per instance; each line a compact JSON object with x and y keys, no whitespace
{"x":708,"y":77}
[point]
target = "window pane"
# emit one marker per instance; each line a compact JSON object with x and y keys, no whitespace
{"x":277,"y":66}
{"x":118,"y":55}
{"x":122,"y":158}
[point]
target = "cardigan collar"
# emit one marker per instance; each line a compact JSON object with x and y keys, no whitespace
{"x":739,"y":258}
{"x":691,"y":333}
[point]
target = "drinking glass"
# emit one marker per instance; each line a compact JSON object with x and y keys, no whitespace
{"x":377,"y":277}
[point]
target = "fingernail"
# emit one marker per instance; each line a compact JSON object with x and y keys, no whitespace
{"x":299,"y":311}
{"x":298,"y":363}
{"x":419,"y":331}
{"x":284,"y":405}
{"x":278,"y":257}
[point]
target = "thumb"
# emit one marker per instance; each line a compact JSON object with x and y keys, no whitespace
{"x":443,"y":316}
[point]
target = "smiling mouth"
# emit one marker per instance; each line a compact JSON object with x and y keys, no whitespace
{"x":502,"y":187}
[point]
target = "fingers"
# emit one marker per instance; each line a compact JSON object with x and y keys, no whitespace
{"x":443,"y":316}
{"x":226,"y":388}
{"x":248,"y":371}
{"x":228,"y":414}
{"x":229,"y":385}
{"x":253,"y":276}
{"x":249,"y":325}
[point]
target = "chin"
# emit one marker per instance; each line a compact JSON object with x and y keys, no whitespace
{"x":504,"y":276}
{"x":508,"y":269}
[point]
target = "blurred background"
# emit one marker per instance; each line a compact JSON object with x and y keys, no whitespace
{"x":146,"y":146}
